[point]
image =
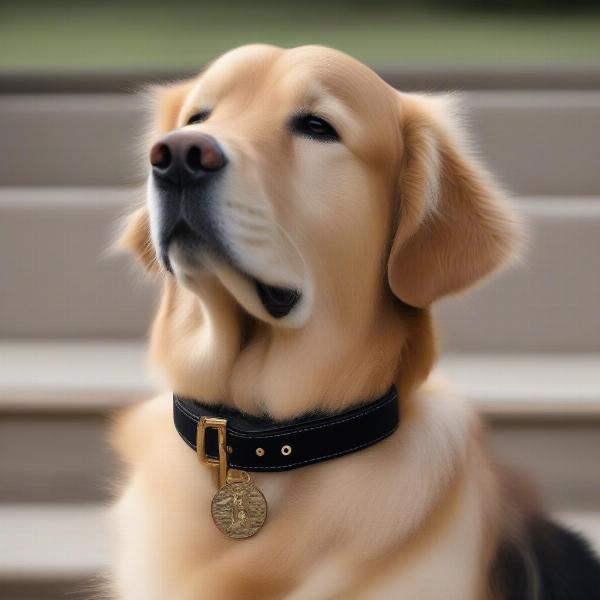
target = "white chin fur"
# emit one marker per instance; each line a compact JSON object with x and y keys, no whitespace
{"x":153,"y":201}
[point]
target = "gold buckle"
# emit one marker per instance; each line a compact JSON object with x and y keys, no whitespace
{"x":216,"y":463}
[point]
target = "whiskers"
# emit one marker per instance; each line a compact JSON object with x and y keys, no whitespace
{"x":249,"y":225}
{"x":244,"y":208}
{"x":256,"y":228}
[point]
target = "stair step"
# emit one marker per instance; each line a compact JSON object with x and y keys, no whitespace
{"x":58,"y":238}
{"x":420,"y":76}
{"x":57,"y":402}
{"x":549,"y":301}
{"x":72,"y":377}
{"x":52,"y":552}
{"x":522,"y":386}
{"x":48,"y":542}
{"x":529,"y":138}
{"x":44,"y":546}
{"x":96,"y":376}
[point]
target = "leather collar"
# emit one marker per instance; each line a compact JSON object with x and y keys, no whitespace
{"x":262,"y":444}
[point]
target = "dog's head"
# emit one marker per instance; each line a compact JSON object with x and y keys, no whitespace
{"x":313,"y":193}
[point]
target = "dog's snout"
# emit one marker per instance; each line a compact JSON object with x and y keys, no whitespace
{"x":185,"y":157}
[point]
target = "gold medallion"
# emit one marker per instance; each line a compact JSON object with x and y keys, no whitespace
{"x":239,"y":508}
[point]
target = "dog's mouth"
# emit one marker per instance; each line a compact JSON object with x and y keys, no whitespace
{"x":277,"y":301}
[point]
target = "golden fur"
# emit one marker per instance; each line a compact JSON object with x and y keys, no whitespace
{"x":373,"y":229}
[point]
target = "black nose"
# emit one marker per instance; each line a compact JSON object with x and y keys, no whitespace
{"x":185,"y":157}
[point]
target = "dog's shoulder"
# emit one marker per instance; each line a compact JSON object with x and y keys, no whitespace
{"x":548,"y":562}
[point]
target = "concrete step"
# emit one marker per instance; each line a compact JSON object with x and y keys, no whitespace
{"x":409,"y":77}
{"x":539,"y":143}
{"x":59,"y":278}
{"x":49,"y":551}
{"x":549,"y":302}
{"x":96,"y":376}
{"x":52,"y":541}
{"x":55,"y":241}
{"x":57,"y":402}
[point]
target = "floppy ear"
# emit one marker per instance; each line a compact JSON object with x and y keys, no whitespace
{"x":164,"y":102}
{"x":135,"y":237}
{"x":454,"y":225}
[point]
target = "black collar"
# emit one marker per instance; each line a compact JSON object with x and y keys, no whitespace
{"x":261,"y":444}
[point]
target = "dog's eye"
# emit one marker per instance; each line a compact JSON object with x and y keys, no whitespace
{"x":314,"y":127}
{"x":198,"y":117}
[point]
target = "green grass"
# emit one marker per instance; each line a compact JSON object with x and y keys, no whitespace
{"x":178,"y":34}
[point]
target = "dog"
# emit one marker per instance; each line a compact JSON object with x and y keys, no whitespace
{"x":303,"y":216}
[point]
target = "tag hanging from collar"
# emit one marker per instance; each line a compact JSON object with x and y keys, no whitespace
{"x":239,"y":508}
{"x":234,"y":444}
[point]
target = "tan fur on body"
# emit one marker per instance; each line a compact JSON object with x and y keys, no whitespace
{"x":396,"y":214}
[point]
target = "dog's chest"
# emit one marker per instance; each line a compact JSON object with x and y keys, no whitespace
{"x":328,"y":534}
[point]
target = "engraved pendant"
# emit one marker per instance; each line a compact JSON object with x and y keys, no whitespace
{"x":239,"y":508}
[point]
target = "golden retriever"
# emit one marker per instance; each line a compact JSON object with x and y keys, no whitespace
{"x":319,"y":216}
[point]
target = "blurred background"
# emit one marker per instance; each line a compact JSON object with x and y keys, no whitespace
{"x":525,"y":348}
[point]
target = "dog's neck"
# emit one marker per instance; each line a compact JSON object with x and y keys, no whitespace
{"x":210,"y":349}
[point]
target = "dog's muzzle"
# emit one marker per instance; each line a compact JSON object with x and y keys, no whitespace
{"x":185,"y":168}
